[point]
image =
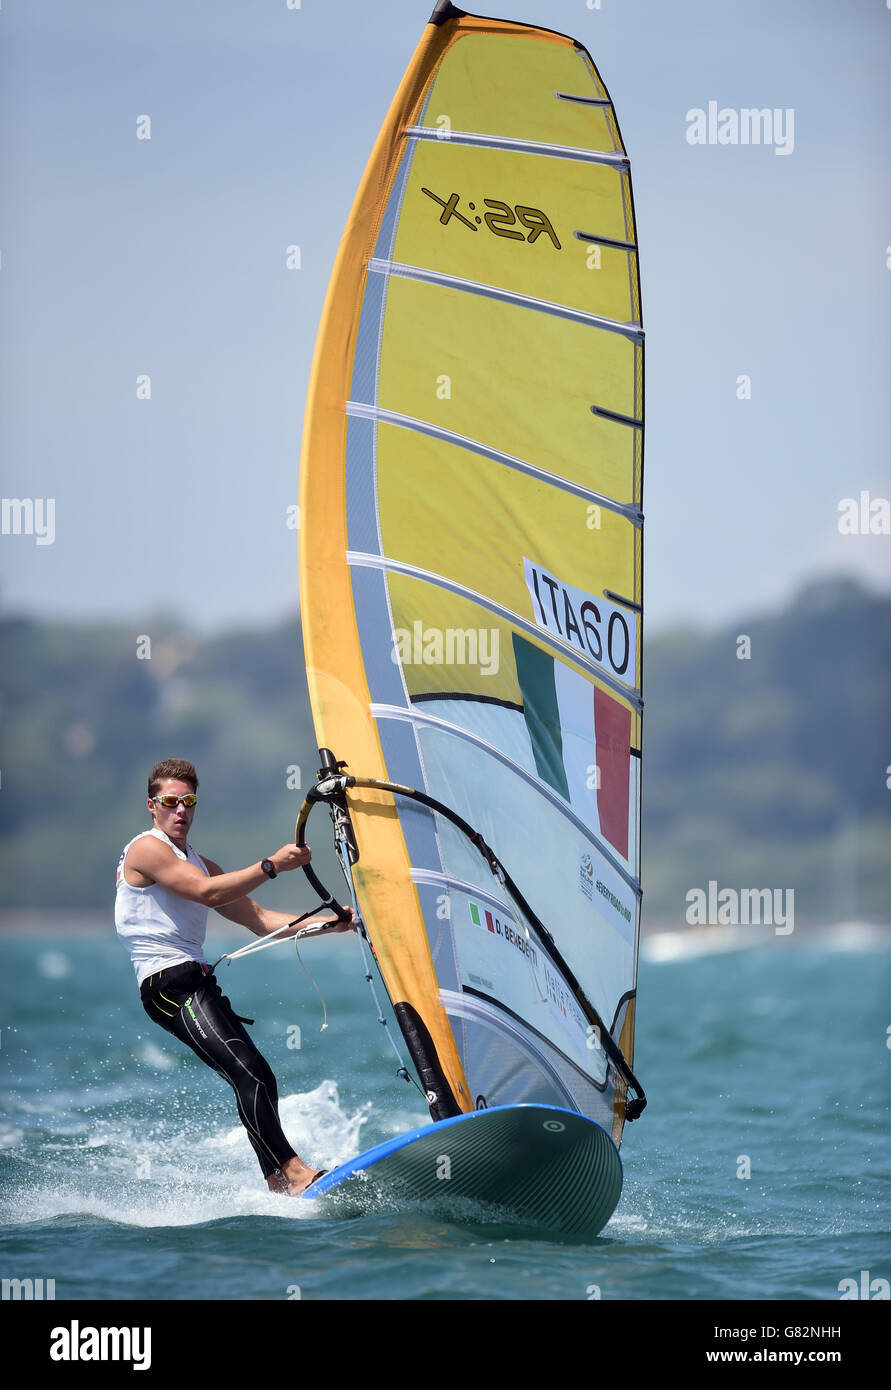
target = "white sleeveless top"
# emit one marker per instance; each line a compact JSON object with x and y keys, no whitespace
{"x":159,"y":927}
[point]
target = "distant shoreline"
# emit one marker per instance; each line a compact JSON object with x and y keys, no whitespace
{"x":92,"y":923}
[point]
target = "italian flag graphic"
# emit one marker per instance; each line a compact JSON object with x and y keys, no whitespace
{"x":581,"y":736}
{"x":489,"y":922}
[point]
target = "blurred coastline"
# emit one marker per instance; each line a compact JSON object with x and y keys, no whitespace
{"x":765,"y":756}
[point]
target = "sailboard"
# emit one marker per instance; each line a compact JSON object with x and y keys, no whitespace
{"x":471,"y":599}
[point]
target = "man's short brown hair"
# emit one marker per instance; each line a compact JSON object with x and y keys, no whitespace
{"x":179,"y":768}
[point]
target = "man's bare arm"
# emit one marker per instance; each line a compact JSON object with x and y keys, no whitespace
{"x":263,"y":921}
{"x":149,"y":861}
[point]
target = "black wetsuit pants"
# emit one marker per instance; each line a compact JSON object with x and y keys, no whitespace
{"x":187,"y":1001}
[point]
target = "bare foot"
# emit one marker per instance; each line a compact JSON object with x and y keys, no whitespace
{"x":293,"y":1178}
{"x":316,"y":1173}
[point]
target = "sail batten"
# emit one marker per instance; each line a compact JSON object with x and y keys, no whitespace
{"x":386,"y":563}
{"x":419,"y":719}
{"x":542,"y":306}
{"x":362,"y":410}
{"x":584,"y":101}
{"x":471,"y":568}
{"x":468,"y":137}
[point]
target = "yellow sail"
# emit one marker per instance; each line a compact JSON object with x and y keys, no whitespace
{"x":471,"y":563}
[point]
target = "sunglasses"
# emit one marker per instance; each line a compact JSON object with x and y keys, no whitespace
{"x":171,"y":800}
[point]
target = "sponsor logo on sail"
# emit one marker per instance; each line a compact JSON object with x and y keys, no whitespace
{"x":605,"y":896}
{"x":613,"y":900}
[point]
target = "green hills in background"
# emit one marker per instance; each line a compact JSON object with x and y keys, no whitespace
{"x":769,"y":771}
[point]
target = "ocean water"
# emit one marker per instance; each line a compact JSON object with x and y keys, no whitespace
{"x":759,"y":1170}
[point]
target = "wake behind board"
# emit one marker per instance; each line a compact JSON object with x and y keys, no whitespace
{"x":538,"y":1164}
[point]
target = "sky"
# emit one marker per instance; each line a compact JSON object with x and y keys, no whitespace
{"x":166,"y":257}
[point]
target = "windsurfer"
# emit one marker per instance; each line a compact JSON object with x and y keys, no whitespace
{"x":164,"y":890}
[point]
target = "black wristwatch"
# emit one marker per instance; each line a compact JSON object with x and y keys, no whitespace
{"x":268,"y":868}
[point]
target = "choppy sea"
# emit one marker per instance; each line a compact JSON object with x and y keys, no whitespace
{"x":759,"y":1170}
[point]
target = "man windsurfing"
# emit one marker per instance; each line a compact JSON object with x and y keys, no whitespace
{"x":164,"y":890}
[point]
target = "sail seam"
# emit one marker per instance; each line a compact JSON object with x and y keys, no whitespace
{"x":612,"y":124}
{"x":472,"y":696}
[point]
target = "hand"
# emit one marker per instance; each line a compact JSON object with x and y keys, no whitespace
{"x":344,"y":926}
{"x":290,"y":857}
